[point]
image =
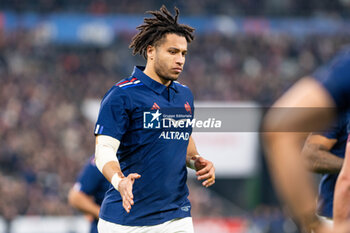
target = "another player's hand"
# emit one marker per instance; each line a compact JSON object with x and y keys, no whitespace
{"x":89,"y":217}
{"x":340,"y":228}
{"x":336,"y":228}
{"x":125,"y":190}
{"x":205,"y":171}
{"x":344,"y":228}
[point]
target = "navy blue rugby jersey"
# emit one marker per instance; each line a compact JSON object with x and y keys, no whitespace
{"x":153,"y":124}
{"x":335,"y":78}
{"x":337,"y":131}
{"x":91,"y":182}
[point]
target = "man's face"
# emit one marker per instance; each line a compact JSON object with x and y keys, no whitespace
{"x":169,"y":57}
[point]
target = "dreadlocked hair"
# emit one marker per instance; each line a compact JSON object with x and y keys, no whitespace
{"x":153,"y":30}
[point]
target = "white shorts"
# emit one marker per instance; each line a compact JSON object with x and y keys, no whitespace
{"x":178,"y":225}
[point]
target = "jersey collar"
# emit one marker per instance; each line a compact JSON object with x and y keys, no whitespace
{"x":149,"y":82}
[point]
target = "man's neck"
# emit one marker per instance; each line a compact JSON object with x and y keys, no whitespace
{"x":150,"y":72}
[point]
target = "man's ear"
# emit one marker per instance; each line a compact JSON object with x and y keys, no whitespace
{"x":150,"y":52}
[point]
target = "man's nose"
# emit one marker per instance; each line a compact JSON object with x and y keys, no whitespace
{"x":180,"y":59}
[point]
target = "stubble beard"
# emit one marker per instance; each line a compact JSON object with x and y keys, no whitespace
{"x":163,"y":74}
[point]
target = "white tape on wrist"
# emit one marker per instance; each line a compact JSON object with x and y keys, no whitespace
{"x":192,"y":161}
{"x":116,"y":180}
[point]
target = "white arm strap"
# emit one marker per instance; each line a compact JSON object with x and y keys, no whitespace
{"x":105,"y":151}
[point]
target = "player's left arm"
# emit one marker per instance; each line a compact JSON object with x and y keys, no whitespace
{"x":205,"y":169}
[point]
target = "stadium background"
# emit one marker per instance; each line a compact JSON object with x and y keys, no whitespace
{"x":57,"y":55}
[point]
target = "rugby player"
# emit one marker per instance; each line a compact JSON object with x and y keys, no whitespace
{"x":148,"y":175}
{"x":320,"y":96}
{"x":325,"y":155}
{"x":88,"y":192}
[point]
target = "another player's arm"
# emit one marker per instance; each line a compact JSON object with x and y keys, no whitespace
{"x":108,"y":164}
{"x":204,"y":169}
{"x":83,"y":202}
{"x":341,"y":210}
{"x":283,"y":147}
{"x":319,"y":158}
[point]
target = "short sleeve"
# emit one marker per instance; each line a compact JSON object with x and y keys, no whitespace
{"x":89,"y":179}
{"x":336,"y":129}
{"x":335,"y":78}
{"x":113,"y":118}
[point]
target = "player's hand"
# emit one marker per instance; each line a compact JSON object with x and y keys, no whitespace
{"x":205,"y":171}
{"x":125,"y":190}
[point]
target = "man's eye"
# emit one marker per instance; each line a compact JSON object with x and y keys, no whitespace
{"x":172,"y":52}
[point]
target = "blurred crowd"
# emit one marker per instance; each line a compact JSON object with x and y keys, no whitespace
{"x":189,"y":7}
{"x":45,"y":138}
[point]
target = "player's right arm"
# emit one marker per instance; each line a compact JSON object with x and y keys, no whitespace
{"x":107,"y":162}
{"x":111,"y":125}
{"x":319,"y":159}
